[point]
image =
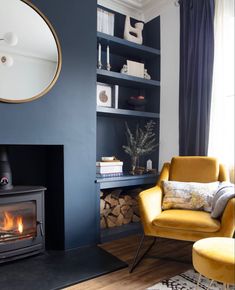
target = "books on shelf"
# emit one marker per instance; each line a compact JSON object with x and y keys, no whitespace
{"x":105,"y":175}
{"x":105,"y":21}
{"x":109,"y":163}
{"x":113,"y":167}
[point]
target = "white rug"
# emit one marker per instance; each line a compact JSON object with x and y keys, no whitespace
{"x":187,"y":281}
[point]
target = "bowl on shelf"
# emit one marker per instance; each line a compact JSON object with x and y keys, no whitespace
{"x":137,"y":103}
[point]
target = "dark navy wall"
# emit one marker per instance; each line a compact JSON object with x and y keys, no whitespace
{"x":66,"y":116}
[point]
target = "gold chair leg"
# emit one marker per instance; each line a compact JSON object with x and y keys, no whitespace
{"x":136,"y":261}
{"x":210,"y":284}
{"x":198,"y":281}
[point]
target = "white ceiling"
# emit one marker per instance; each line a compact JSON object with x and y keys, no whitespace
{"x":144,"y":10}
{"x":137,"y":3}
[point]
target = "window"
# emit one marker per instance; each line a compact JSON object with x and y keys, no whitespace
{"x":221,"y":141}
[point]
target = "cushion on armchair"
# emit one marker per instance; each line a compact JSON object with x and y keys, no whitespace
{"x":188,"y":195}
{"x":224,"y":193}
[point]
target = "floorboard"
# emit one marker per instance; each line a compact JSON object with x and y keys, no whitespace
{"x":149,"y":271}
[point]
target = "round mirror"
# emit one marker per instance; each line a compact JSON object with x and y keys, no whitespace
{"x":30,"y":54}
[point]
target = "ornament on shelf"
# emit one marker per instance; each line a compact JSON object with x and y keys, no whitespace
{"x":130,"y":30}
{"x":124,"y":70}
{"x":149,"y":165}
{"x":146,"y":75}
{"x":135,"y":69}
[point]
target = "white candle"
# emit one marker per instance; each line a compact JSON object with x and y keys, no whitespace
{"x":99,"y":53}
{"x":108,"y":55}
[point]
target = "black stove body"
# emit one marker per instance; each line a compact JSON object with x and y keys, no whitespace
{"x":21,"y":222}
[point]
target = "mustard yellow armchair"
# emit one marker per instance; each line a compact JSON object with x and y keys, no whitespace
{"x":187,"y":225}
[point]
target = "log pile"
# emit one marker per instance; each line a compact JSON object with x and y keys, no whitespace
{"x":118,"y":209}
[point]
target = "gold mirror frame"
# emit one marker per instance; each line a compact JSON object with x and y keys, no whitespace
{"x":59,"y":63}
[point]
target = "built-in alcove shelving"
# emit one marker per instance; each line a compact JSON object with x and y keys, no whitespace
{"x":111,"y":120}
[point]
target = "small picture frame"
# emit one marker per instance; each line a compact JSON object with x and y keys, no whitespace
{"x":104,"y":95}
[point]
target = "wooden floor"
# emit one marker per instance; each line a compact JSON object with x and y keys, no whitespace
{"x":149,"y":271}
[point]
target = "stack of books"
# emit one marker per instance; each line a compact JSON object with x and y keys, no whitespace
{"x":105,"y":21}
{"x":109,"y":168}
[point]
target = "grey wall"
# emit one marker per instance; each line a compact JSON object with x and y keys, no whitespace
{"x":66,"y":115}
{"x":170,"y":45}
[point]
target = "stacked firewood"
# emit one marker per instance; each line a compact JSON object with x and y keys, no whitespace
{"x":118,"y":209}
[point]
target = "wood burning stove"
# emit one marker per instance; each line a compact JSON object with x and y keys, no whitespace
{"x":21,"y":222}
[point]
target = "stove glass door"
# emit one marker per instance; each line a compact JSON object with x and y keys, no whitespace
{"x":18,"y":221}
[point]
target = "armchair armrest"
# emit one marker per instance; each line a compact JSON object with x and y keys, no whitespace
{"x":150,"y":203}
{"x":228,"y":219}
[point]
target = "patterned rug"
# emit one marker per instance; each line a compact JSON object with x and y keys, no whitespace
{"x":187,"y":281}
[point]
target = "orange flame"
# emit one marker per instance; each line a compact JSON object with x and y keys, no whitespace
{"x":8,"y":221}
{"x":20,"y":225}
{"x":12,"y":223}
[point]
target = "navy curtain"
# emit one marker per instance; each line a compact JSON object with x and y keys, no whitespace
{"x":196,"y":69}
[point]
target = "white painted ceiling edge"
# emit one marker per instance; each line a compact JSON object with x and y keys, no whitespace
{"x":143,"y":10}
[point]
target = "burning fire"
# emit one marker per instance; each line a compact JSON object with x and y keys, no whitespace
{"x":11,"y":223}
{"x":8,"y":221}
{"x":19,"y":222}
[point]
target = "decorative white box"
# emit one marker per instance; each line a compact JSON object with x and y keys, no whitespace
{"x":135,"y":69}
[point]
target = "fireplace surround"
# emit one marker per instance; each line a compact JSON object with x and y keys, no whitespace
{"x":21,"y":222}
{"x":43,"y":165}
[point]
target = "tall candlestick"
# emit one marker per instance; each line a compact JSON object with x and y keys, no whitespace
{"x":99,"y":57}
{"x":108,"y":59}
{"x":108,"y":62}
{"x":99,"y":53}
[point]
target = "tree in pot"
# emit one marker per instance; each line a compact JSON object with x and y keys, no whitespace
{"x":140,"y":143}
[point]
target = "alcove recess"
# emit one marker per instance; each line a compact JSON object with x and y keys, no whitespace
{"x":111,"y":121}
{"x":119,"y":214}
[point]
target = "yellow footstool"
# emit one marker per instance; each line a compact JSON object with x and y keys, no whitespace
{"x":214,"y":258}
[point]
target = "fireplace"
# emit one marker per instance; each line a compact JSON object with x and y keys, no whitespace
{"x":21,"y":222}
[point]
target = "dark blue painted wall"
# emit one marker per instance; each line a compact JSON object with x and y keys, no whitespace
{"x":66,"y":115}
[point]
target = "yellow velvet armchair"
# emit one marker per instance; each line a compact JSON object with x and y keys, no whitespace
{"x":187,"y":225}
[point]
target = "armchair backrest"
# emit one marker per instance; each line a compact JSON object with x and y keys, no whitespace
{"x":194,"y":169}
